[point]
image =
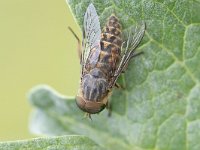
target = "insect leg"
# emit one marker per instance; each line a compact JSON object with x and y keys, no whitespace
{"x":136,"y":54}
{"x":109,"y":107}
{"x":88,"y":115}
{"x":79,"y":42}
{"x":117,"y":85}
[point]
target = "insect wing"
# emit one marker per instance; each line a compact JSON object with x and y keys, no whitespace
{"x":92,"y":36}
{"x":134,"y":37}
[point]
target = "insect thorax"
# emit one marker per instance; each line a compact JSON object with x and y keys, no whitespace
{"x":94,"y":85}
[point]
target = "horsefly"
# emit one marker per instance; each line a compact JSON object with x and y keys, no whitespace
{"x":103,"y":57}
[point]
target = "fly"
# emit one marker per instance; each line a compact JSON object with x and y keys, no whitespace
{"x":103,"y":57}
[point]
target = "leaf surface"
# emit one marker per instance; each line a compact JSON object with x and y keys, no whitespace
{"x":160,"y":105}
{"x":51,"y":143}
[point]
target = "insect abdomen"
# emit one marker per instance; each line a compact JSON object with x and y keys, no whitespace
{"x":110,"y":46}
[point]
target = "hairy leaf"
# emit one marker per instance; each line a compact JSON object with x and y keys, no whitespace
{"x":51,"y":143}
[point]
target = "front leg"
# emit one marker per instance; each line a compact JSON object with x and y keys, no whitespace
{"x":109,"y":107}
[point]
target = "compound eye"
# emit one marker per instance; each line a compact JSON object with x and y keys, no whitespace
{"x":89,"y":106}
{"x":94,"y":107}
{"x":80,"y":102}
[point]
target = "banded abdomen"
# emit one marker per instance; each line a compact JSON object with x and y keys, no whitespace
{"x":110,"y":47}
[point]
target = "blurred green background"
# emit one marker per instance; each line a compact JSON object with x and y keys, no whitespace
{"x":36,"y":48}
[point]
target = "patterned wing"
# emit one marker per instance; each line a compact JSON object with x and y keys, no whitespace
{"x":134,"y":37}
{"x":92,"y":35}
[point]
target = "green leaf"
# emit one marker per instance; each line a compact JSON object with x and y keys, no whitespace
{"x":51,"y":143}
{"x":160,"y":105}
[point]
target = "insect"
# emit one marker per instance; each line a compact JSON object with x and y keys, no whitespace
{"x":103,"y":57}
